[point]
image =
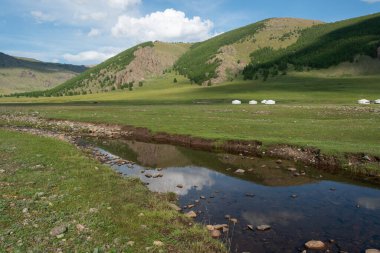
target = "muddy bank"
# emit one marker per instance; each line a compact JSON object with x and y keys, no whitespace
{"x":359,"y":164}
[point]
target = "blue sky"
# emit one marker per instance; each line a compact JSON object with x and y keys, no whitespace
{"x":90,"y":31}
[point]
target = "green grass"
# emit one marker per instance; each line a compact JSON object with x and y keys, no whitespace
{"x":318,"y":112}
{"x":311,"y":111}
{"x":16,"y":80}
{"x":71,"y":184}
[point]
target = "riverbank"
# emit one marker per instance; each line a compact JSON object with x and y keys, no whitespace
{"x":56,"y":198}
{"x":364,"y":165}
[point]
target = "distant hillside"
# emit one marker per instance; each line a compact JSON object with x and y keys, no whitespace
{"x":19,"y":74}
{"x":126,"y":70}
{"x":320,"y":46}
{"x":222,"y":57}
{"x":7,"y":61}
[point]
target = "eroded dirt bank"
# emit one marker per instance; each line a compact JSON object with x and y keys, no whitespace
{"x":360,"y":164}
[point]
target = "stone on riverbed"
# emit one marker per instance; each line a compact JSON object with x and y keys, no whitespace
{"x":292,"y":169}
{"x":175,"y":207}
{"x":148,"y":175}
{"x":215,"y":234}
{"x":240,"y":171}
{"x":179,"y":186}
{"x":220,"y":227}
{"x":191,"y":214}
{"x":263,"y":227}
{"x":315,"y":245}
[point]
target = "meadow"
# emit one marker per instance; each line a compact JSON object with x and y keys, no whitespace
{"x":46,"y":183}
{"x":312,"y":111}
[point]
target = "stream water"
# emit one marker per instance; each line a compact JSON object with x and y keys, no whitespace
{"x":314,"y":205}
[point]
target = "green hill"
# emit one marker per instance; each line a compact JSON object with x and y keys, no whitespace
{"x":222,"y":57}
{"x":320,"y":46}
{"x":23,"y":74}
{"x":127,"y":70}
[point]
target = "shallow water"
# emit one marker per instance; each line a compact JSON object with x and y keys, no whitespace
{"x":318,"y":205}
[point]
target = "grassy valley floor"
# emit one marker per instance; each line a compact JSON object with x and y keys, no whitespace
{"x":48,"y":184}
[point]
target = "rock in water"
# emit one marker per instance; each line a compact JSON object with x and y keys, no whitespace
{"x":180,"y":186}
{"x":191,"y":214}
{"x":315,"y":245}
{"x":58,"y":230}
{"x":240,"y":171}
{"x":215,"y":234}
{"x":250,"y":227}
{"x":263,"y":227}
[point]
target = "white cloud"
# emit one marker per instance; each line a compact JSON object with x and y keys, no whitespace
{"x":170,"y":25}
{"x":93,"y":16}
{"x":123,"y":3}
{"x":371,"y":1}
{"x":92,"y":56}
{"x":42,"y":17}
{"x":94,"y":33}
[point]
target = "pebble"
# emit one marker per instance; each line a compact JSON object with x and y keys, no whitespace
{"x":315,"y":245}
{"x":93,"y":210}
{"x":58,"y":230}
{"x":263,"y":227}
{"x":292,"y":169}
{"x":220,"y":227}
{"x":215,"y":234}
{"x":25,"y":210}
{"x":179,"y":186}
{"x":294,"y":196}
{"x":2,"y":171}
{"x":250,"y":227}
{"x":240,"y":171}
{"x":80,"y":227}
{"x":227,"y":216}
{"x":203,"y":197}
{"x":210,"y":227}
{"x":131,"y":243}
{"x":158,"y":243}
{"x":191,"y":214}
{"x":175,"y":207}
{"x":234,"y":220}
{"x":148,"y":175}
{"x":190,"y":206}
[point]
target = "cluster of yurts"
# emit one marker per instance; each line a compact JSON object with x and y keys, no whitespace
{"x":254,"y":102}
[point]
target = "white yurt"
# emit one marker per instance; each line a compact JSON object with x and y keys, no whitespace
{"x":236,"y":102}
{"x":264,"y":101}
{"x":377,"y":101}
{"x":270,"y":102}
{"x":253,"y":102}
{"x":364,"y":102}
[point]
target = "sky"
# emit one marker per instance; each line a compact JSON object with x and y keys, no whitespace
{"x":90,"y":31}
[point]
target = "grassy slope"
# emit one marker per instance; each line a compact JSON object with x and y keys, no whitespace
{"x":194,"y":64}
{"x":320,"y":112}
{"x":16,"y":80}
{"x":71,"y":186}
{"x":326,"y":45}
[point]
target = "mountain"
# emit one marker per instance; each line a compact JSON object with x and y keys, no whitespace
{"x":266,"y":48}
{"x":19,"y":74}
{"x":321,"y":47}
{"x":125,"y":70}
{"x":222,"y":57}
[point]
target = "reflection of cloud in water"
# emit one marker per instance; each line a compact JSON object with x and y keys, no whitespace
{"x":369,"y":203}
{"x":186,"y":176}
{"x":283,"y":218}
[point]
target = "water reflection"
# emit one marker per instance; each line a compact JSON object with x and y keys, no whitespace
{"x":314,"y":205}
{"x":270,"y":218}
{"x":369,"y":203}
